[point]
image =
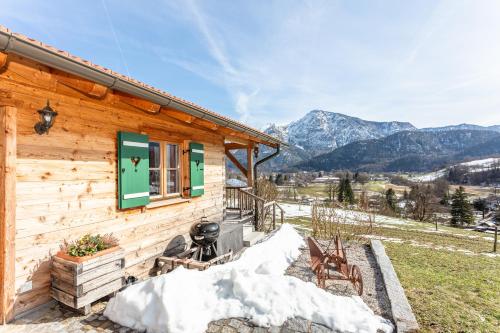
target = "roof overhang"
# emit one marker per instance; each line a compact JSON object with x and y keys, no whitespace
{"x":34,"y":50}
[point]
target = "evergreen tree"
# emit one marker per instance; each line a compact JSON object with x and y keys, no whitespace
{"x":349,"y":194}
{"x":271,"y":178}
{"x":341,"y":191}
{"x":344,"y":192}
{"x":461,"y":210}
{"x":279,"y":179}
{"x":390,"y":199}
{"x":481,"y":205}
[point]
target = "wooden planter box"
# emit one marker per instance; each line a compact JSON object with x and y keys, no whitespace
{"x":79,"y":281}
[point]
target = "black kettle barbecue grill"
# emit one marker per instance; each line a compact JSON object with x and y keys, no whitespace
{"x":204,"y":234}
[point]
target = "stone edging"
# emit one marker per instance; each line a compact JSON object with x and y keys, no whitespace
{"x":401,"y":310}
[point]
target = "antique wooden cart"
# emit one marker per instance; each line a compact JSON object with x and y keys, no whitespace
{"x":322,"y":260}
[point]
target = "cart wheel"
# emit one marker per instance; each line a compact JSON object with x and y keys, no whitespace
{"x":357,"y":279}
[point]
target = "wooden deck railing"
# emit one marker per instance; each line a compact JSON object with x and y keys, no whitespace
{"x":243,"y":200}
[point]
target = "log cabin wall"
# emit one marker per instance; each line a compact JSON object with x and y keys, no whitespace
{"x":67,"y":180}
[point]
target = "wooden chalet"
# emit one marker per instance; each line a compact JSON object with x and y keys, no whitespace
{"x":119,"y":157}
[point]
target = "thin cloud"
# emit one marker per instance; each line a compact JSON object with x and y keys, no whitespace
{"x":117,"y":42}
{"x":430,"y":63}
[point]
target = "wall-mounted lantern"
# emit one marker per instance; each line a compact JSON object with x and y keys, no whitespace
{"x":256,"y":151}
{"x":47,"y":116}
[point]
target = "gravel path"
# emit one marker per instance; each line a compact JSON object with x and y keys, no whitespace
{"x":374,"y":294}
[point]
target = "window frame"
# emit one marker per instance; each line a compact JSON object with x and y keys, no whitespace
{"x":164,"y":168}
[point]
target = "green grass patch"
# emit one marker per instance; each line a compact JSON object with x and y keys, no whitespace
{"x":449,"y":292}
{"x":314,"y":191}
{"x":374,"y":186}
{"x":476,"y":245}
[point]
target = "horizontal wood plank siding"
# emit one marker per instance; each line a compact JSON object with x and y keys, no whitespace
{"x":67,"y":180}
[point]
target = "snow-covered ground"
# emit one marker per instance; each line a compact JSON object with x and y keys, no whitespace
{"x":476,"y":166}
{"x":253,"y":287}
{"x":349,"y":216}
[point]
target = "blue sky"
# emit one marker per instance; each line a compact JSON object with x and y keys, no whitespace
{"x":428,"y":62}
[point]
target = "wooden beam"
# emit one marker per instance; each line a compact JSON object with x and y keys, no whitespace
{"x":236,"y":162}
{"x":178,"y":115}
{"x":206,"y":123}
{"x":138,"y":103}
{"x":250,"y":164}
{"x":86,"y":87}
{"x":232,"y":145}
{"x":7,"y":211}
{"x":236,"y":139}
{"x":3,"y":59}
{"x":189,"y":118}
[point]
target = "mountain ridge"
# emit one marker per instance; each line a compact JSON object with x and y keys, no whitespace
{"x":320,"y":132}
{"x":408,"y":151}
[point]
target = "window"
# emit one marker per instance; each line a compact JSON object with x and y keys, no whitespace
{"x":172,"y":168}
{"x":164,"y":169}
{"x":154,"y":169}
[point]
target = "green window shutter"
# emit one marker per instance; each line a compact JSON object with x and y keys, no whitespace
{"x":133,"y":170}
{"x":196,"y":169}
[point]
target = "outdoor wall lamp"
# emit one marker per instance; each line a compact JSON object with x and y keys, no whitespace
{"x":256,"y":151}
{"x":47,"y":116}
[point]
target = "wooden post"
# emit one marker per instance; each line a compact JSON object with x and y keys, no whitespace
{"x":250,"y":174}
{"x":274,"y":216}
{"x":496,"y":239}
{"x":7,"y":211}
{"x":240,"y":202}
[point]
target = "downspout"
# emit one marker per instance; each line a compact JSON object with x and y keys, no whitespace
{"x":260,"y":162}
{"x":255,"y":178}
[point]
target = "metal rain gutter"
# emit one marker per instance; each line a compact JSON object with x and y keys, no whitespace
{"x":10,"y":43}
{"x":262,"y":161}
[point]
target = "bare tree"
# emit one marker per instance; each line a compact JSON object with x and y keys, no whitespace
{"x":420,"y":202}
{"x":266,"y":190}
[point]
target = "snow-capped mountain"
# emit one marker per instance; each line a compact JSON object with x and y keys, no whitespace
{"x":495,"y":128}
{"x":322,"y":131}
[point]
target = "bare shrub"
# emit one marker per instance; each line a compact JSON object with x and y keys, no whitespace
{"x":329,"y":220}
{"x":266,"y":190}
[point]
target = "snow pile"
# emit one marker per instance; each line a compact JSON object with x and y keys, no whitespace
{"x":296,"y":210}
{"x":253,"y":287}
{"x":233,"y":182}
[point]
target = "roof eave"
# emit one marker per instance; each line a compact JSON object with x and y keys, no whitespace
{"x":10,"y":43}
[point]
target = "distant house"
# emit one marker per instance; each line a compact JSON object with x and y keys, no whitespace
{"x":326,"y":180}
{"x":487,"y":224}
{"x":109,"y":154}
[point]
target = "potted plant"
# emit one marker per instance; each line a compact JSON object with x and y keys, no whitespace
{"x":86,"y":270}
{"x":88,"y":247}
